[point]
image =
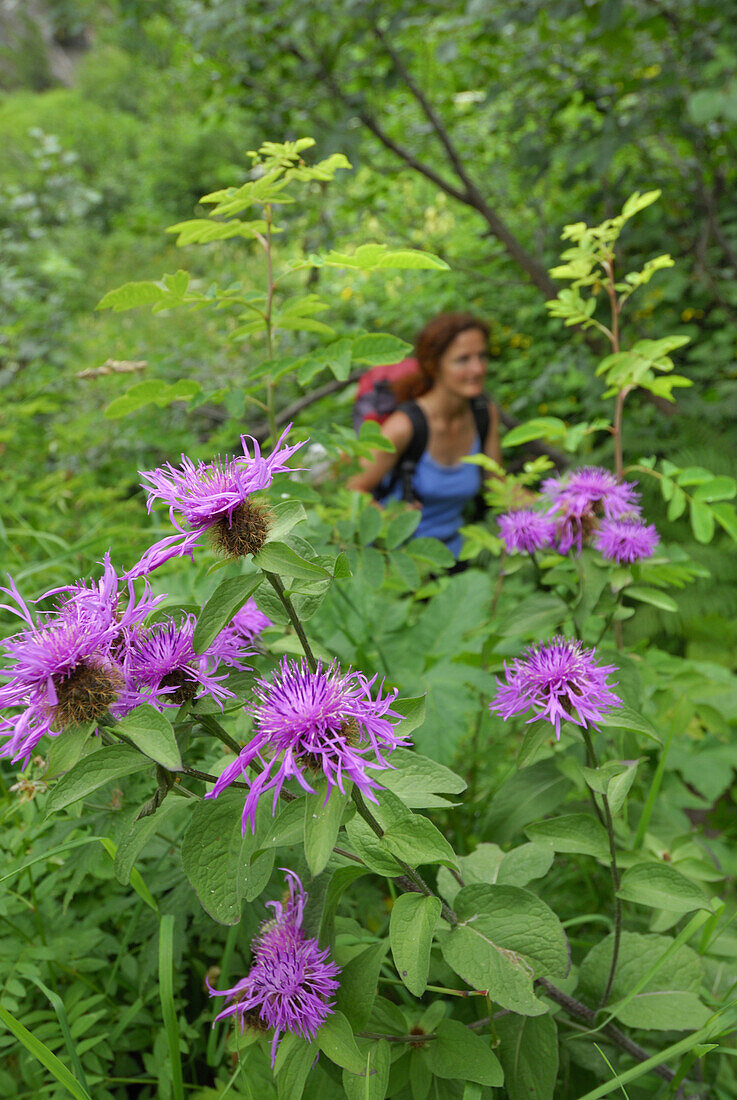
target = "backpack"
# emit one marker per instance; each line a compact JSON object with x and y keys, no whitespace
{"x":375,"y":400}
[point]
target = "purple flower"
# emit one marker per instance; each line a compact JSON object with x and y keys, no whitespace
{"x":246,"y":624}
{"x":291,"y":980}
{"x":213,"y":497}
{"x":103,"y":598}
{"x":307,"y":723}
{"x":162,"y":668}
{"x":63,"y":671}
{"x":524,"y":532}
{"x":626,"y":540}
{"x":580,"y":497}
{"x":557,"y":680}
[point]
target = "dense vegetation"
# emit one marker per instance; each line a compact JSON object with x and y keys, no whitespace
{"x":453,"y":144}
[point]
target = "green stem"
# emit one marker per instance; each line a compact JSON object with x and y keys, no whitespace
{"x":211,"y":725}
{"x":439,"y":988}
{"x":270,"y":387}
{"x":414,"y":876}
{"x":608,"y":822}
{"x":276,"y":584}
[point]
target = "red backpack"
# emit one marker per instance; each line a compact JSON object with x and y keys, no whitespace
{"x":375,"y":399}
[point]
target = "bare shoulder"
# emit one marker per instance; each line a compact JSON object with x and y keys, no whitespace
{"x":398,"y":429}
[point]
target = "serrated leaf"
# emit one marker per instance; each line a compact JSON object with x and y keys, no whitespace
{"x":375,"y":257}
{"x":402,"y":527}
{"x":229,"y":596}
{"x":152,"y":733}
{"x":380,"y":348}
{"x":414,"y":918}
{"x":131,"y":295}
{"x":542,"y":427}
{"x":94,"y":771}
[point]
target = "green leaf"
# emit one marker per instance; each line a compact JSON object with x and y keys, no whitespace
{"x":667,"y":1001}
{"x":528,"y":1052}
{"x":229,"y":596}
{"x":373,"y":1084}
{"x":369,"y":524}
{"x":677,"y":505}
{"x":537,"y":735}
{"x":339,"y":881}
{"x":543,"y":427}
{"x":377,"y":257}
{"x":322,"y":818}
{"x":412,"y":926}
{"x":131,"y":295}
{"x":294,"y":1060}
{"x":42,"y":1054}
{"x":578,"y":833}
{"x":726,"y":517}
{"x":152,"y":391}
{"x":66,"y":749}
{"x":92,"y":772}
{"x":358,"y":982}
{"x":277,"y":557}
{"x":284,"y":517}
{"x":505,"y":938}
{"x":380,"y":349}
{"x":619,"y":786}
{"x":660,"y":886}
{"x":401,"y":528}
{"x":539,"y":788}
{"x":652,"y":596}
{"x":413,"y":715}
{"x":719,"y":488}
{"x":335,"y":1039}
{"x":168,"y":1008}
{"x":417,"y":780}
{"x":152,"y":733}
{"x":416,"y":840}
{"x":702,"y":521}
{"x":215,"y":855}
{"x":433,"y":551}
{"x":638,"y":201}
{"x":627,"y":718}
{"x":459,"y":1054}
{"x":533,"y":617}
{"x":140,"y":833}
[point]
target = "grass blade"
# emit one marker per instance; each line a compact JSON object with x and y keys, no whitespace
{"x":168,"y":1009}
{"x":45,"y":1056}
{"x":58,"y":1006}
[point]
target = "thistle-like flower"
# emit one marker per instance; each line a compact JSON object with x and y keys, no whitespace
{"x":558,"y":681}
{"x":64,"y":670}
{"x":162,"y":668}
{"x":246,"y":624}
{"x":311,"y":723}
{"x":289,"y":985}
{"x":214,"y":497}
{"x":580,"y":498}
{"x":525,"y":531}
{"x":626,"y":540}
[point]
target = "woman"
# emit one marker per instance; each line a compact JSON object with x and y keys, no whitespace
{"x":452,"y":358}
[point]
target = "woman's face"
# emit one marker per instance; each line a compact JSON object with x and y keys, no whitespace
{"x":463,"y":364}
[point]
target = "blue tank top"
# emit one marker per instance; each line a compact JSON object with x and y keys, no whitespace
{"x":445,"y":491}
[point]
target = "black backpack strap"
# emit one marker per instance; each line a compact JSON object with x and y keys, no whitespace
{"x":404,"y":469}
{"x":480,"y":410}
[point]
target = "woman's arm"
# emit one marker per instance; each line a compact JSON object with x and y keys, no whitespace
{"x":492,"y":447}
{"x":398,"y":430}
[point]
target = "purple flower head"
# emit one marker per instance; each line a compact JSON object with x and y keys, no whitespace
{"x":289,"y":985}
{"x":626,"y":540}
{"x":213,"y":497}
{"x":246,"y":624}
{"x":162,"y":668}
{"x":103,"y":598}
{"x":580,"y":497}
{"x":524,"y":532}
{"x":307,"y":723}
{"x":559,"y":681}
{"x":63,"y":671}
